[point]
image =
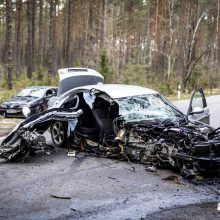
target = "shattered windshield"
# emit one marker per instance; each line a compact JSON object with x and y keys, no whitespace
{"x":36,"y":92}
{"x":147,"y":107}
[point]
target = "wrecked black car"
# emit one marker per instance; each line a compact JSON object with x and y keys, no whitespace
{"x":122,"y":121}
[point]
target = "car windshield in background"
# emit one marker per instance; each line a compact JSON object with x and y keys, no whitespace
{"x":147,"y":107}
{"x":32,"y":92}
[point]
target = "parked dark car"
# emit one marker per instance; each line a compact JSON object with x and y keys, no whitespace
{"x":33,"y":98}
{"x":122,"y":121}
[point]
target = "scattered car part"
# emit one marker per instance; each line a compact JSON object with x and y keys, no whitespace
{"x":27,"y":137}
{"x":60,"y":197}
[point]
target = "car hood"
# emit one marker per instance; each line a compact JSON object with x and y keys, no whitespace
{"x":19,"y":101}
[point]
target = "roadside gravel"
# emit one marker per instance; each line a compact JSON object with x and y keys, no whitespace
{"x":6,"y":125}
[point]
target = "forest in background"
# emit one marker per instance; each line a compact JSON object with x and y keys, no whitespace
{"x":154,"y":43}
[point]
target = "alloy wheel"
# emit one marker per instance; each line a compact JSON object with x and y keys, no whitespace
{"x":58,"y":133}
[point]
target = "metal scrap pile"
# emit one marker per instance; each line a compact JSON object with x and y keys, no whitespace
{"x":23,"y":144}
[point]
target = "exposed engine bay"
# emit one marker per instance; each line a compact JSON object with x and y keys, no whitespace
{"x":191,"y":147}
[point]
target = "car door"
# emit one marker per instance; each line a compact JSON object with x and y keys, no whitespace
{"x":198,"y":109}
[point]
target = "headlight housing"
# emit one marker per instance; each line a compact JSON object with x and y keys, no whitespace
{"x":26,"y":111}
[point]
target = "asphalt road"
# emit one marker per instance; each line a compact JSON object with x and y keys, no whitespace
{"x":93,"y":188}
{"x":96,"y":188}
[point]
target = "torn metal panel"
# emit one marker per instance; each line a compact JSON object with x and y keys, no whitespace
{"x":27,"y":137}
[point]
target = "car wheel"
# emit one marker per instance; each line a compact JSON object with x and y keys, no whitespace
{"x":59,"y":134}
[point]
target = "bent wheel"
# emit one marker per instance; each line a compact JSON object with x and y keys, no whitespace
{"x":59,"y":133}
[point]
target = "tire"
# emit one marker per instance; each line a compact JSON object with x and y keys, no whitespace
{"x":58,"y":132}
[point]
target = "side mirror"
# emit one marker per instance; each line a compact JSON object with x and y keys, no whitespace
{"x":197,"y":110}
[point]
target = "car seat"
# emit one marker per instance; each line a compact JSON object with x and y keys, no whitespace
{"x":104,"y":114}
{"x":86,"y":126}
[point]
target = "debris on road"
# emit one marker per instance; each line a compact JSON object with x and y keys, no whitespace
{"x":173,"y":178}
{"x":151,"y":168}
{"x":112,"y":178}
{"x":71,"y":154}
{"x":60,"y":197}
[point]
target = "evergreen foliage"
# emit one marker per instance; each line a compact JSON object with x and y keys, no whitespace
{"x":151,"y":43}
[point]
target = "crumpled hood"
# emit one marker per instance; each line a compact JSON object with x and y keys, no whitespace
{"x":18,"y":101}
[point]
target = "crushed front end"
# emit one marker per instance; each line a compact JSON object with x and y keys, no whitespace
{"x":191,"y":147}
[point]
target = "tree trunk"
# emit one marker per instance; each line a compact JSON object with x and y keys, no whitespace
{"x":170,"y":41}
{"x":18,"y":52}
{"x":52,"y":50}
{"x":33,"y":33}
{"x":41,"y":32}
{"x":148,"y":35}
{"x":29,"y":40}
{"x":103,"y":37}
{"x":215,"y":48}
{"x":9,"y":11}
{"x":69,"y":28}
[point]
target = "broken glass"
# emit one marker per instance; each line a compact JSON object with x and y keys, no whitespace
{"x":147,"y":107}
